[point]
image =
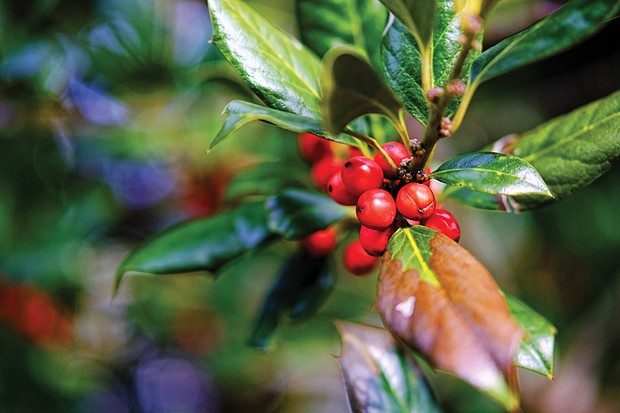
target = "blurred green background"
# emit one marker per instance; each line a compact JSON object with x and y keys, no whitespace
{"x":107,"y":109}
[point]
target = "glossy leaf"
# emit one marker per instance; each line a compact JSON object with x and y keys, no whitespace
{"x":201,"y":245}
{"x":492,"y":173}
{"x":297,"y":213}
{"x":273,"y":64}
{"x":568,"y":26}
{"x":418,"y":17}
{"x":379,"y":376}
{"x":442,"y":302}
{"x":352,"y":88}
{"x":300,"y":287}
{"x":402,"y":61}
{"x":536,"y":350}
{"x":569,"y":152}
{"x":239,"y":113}
{"x":324,"y":24}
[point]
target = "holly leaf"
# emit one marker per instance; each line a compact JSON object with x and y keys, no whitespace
{"x":201,"y":245}
{"x":296,"y":213}
{"x":352,"y":88}
{"x":379,"y":375}
{"x":239,"y":113}
{"x":402,"y":60}
{"x":417,"y":16}
{"x":569,"y":152}
{"x":279,"y":69}
{"x":300,"y":287}
{"x":267,"y":179}
{"x":536,"y":350}
{"x":559,"y":31}
{"x":492,"y":173}
{"x":324,"y":24}
{"x":442,"y":302}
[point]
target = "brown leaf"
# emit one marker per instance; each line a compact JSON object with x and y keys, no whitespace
{"x":440,"y":300}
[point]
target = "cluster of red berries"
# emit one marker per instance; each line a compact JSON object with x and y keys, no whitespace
{"x":383,"y":200}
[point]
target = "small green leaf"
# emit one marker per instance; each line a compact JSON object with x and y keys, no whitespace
{"x":536,"y":351}
{"x":402,"y":61}
{"x":573,"y":23}
{"x":239,"y":113}
{"x":418,"y":17}
{"x":300,"y":287}
{"x":379,"y":375}
{"x":352,"y":88}
{"x":492,"y":173}
{"x":569,"y":152}
{"x":274,"y":65}
{"x":201,"y":245}
{"x":442,"y":302}
{"x":324,"y":24}
{"x":267,"y":179}
{"x":297,"y":213}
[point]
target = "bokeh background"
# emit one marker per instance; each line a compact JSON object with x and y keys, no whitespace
{"x":107,"y":108}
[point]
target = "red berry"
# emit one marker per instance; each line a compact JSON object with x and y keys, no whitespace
{"x":323,"y":170}
{"x":376,"y":209}
{"x":375,"y":241}
{"x":338,"y":192}
{"x":415,"y":201}
{"x":357,"y":261}
{"x":321,"y":242}
{"x":360,"y":174}
{"x":312,"y":147}
{"x":397,"y":152}
{"x":443,"y":221}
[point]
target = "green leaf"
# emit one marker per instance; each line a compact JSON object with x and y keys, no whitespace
{"x":492,"y":173}
{"x":324,"y":24}
{"x":418,"y":17}
{"x":352,"y":88}
{"x":239,"y":113}
{"x":442,"y":302}
{"x":536,"y":350}
{"x":379,"y":375}
{"x":297,"y":213}
{"x":402,"y":61}
{"x":569,"y":152}
{"x":274,"y":65}
{"x":300,"y":287}
{"x":559,"y":31}
{"x":201,"y":245}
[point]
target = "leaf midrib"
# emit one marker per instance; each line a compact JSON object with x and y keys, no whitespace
{"x":283,"y":60}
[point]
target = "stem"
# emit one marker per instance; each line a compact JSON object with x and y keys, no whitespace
{"x":401,"y":128}
{"x":431,"y":134}
{"x":374,"y":144}
{"x":427,"y":69}
{"x":464,"y":105}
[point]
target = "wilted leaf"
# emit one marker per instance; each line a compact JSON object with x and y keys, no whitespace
{"x":296,"y":213}
{"x":569,"y":152}
{"x":324,"y":24}
{"x":570,"y":25}
{"x":418,"y":17}
{"x":492,"y":173}
{"x":380,"y":377}
{"x":536,"y":350}
{"x":201,"y":245}
{"x":402,"y":61}
{"x":352,"y":88}
{"x":438,"y":299}
{"x":300,"y":287}
{"x":273,"y":64}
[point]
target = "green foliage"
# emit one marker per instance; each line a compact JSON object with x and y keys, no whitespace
{"x":296,"y":213}
{"x":417,"y":16}
{"x":379,"y":375}
{"x":324,"y":24}
{"x":201,"y":245}
{"x":492,"y":173}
